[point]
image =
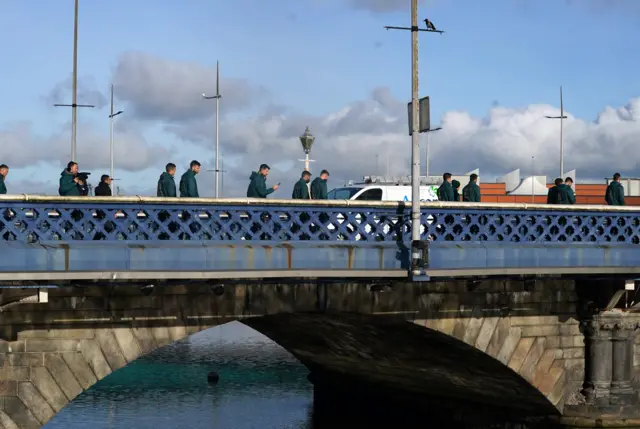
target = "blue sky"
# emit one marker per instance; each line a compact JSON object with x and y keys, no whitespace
{"x":315,"y":57}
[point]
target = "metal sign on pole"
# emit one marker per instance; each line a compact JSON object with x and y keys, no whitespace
{"x":424,"y":113}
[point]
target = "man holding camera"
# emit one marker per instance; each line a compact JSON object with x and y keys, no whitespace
{"x":70,"y":184}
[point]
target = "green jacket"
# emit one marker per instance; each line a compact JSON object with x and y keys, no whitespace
{"x":471,"y":193}
{"x":258,"y":186}
{"x":561,"y":194}
{"x":319,"y":189}
{"x":68,"y":188}
{"x":300,"y":190}
{"x":456,"y":193}
{"x":188,"y":185}
{"x":167,"y":186}
{"x":445,"y":192}
{"x":615,"y":194}
{"x":3,"y":187}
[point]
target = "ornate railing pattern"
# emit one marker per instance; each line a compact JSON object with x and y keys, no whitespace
{"x":42,"y":219}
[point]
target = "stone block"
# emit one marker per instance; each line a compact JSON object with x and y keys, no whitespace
{"x":509,"y":345}
{"x":553,"y":341}
{"x":16,"y":346}
{"x":570,"y":329}
{"x":499,"y":336}
{"x":14,"y":373}
{"x":8,"y":387}
{"x":53,"y":345}
{"x":473,"y":326}
{"x":540,"y":331}
{"x":128,"y":344}
{"x":63,"y":376}
{"x":48,"y":388}
{"x":573,"y":353}
{"x":110,"y":348}
{"x":25,"y":359}
{"x":80,"y":369}
{"x":34,"y":401}
{"x":92,"y":353}
{"x":6,"y":422}
{"x":62,"y":333}
{"x":20,"y":414}
{"x":145,"y":339}
{"x":520,"y":353}
{"x":529,"y":365}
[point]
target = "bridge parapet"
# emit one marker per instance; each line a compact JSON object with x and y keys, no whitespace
{"x":290,"y":238}
{"x":40,"y":218}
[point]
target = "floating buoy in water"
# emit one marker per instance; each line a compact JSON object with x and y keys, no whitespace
{"x":213,"y":377}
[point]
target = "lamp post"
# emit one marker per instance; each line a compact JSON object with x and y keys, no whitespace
{"x":428,"y":160}
{"x":74,"y":100}
{"x":111,"y":147}
{"x":562,"y":117}
{"x":216,"y":97}
{"x":307,"y":140}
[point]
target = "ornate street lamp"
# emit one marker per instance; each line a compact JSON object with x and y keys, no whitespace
{"x":307,"y":140}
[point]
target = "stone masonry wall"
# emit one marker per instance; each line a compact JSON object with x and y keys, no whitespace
{"x":50,"y":353}
{"x":531,"y":328}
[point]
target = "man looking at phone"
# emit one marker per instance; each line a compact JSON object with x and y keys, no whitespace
{"x":258,"y":183}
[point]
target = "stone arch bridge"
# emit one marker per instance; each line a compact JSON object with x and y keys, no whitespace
{"x":497,"y":343}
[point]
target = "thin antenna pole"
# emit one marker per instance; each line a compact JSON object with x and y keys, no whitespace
{"x":428,"y":146}
{"x":74,"y":100}
{"x":222,"y":176}
{"x":561,"y":136}
{"x":217,"y":126}
{"x":533,"y":179}
{"x":111,"y":148}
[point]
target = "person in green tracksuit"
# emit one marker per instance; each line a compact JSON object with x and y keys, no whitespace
{"x":471,"y":192}
{"x":614,"y":196}
{"x":166,"y":183}
{"x":188,"y":183}
{"x":445,"y":191}
{"x":258,"y":183}
{"x":560,"y":193}
{"x":301,"y":188}
{"x":4,"y":170}
{"x":319,"y":186}
{"x":456,"y":190}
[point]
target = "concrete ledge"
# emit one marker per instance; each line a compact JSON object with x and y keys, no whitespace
{"x":73,"y":260}
{"x":559,"y":257}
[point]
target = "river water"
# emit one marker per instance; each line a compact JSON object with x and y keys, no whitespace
{"x":261,"y":386}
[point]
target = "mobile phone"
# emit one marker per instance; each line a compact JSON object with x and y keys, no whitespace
{"x":278,"y":184}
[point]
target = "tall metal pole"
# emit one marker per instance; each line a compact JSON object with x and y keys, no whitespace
{"x":561,"y":139}
{"x":562,"y":117}
{"x":533,"y":179}
{"x":217,"y":127}
{"x":74,"y":100}
{"x":306,"y":162}
{"x":111,"y":151}
{"x":415,"y":134}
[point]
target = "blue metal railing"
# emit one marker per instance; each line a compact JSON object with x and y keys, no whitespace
{"x":36,"y":219}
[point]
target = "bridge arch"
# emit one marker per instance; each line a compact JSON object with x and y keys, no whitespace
{"x":54,"y":351}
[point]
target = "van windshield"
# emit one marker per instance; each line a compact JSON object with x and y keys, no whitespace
{"x":342,"y":193}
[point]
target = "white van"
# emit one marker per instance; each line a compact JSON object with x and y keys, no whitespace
{"x":382,"y":192}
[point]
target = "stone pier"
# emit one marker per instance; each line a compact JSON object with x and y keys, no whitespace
{"x":608,"y":387}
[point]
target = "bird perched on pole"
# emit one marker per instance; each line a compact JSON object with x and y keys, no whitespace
{"x":430,"y":25}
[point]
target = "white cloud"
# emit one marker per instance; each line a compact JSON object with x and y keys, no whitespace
{"x":22,"y":147}
{"x":352,"y":141}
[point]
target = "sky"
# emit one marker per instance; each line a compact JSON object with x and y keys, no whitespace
{"x":327,"y":64}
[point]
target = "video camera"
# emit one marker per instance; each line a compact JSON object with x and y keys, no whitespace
{"x":84,"y":176}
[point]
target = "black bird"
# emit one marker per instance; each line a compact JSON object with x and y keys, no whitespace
{"x":430,"y":25}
